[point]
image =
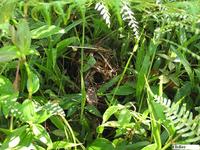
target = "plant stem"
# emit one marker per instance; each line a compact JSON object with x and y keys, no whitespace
{"x":170,"y":142}
{"x":124,"y":71}
{"x":11,"y":123}
{"x":83,"y":93}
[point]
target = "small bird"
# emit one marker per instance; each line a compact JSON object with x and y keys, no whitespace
{"x":91,"y":96}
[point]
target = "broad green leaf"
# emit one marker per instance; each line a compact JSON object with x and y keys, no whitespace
{"x":137,"y":145}
{"x":53,"y":108}
{"x":28,"y":109}
{"x":6,"y":87}
{"x":93,"y":110}
{"x":8,"y":53}
{"x":57,"y":122}
{"x":5,"y":131}
{"x":45,"y":31}
{"x":26,"y":142}
{"x":184,"y":91}
{"x":100,"y":129}
{"x":33,"y":82}
{"x":58,"y":8}
{"x":59,"y":133}
{"x":124,"y":117}
{"x":6,"y":8}
{"x":62,"y":45}
{"x":16,"y":138}
{"x":125,"y":89}
{"x":109,"y":84}
{"x":10,"y":107}
{"x":63,"y":145}
{"x":114,"y":124}
{"x":42,"y":135}
{"x":8,"y":97}
{"x":100,"y":144}
{"x":47,"y":110}
{"x":150,"y":147}
{"x":110,"y":111}
{"x":41,"y":116}
{"x":23,"y":37}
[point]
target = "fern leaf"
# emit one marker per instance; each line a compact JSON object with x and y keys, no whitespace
{"x":104,"y":12}
{"x":183,"y":121}
{"x":128,"y":15}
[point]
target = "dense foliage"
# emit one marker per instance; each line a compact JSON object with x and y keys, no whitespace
{"x":108,"y":74}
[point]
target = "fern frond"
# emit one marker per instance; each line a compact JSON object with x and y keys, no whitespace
{"x":102,"y":8}
{"x":183,"y":121}
{"x":128,"y":15}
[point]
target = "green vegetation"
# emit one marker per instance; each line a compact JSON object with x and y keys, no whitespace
{"x":108,"y":74}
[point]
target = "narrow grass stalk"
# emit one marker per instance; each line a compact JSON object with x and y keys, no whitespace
{"x":124,"y":71}
{"x":29,"y":76}
{"x":83,"y":93}
{"x":70,"y":129}
{"x":11,"y":123}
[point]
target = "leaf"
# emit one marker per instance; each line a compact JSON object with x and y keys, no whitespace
{"x":42,"y":135}
{"x":8,"y":97}
{"x":65,"y":43}
{"x":5,"y":131}
{"x":124,"y":117}
{"x":6,"y":86}
{"x":63,"y":145}
{"x":53,"y":108}
{"x":155,"y":124}
{"x":110,"y":111}
{"x":28,"y":109}
{"x":100,"y":144}
{"x":41,"y":116}
{"x":93,"y":110}
{"x":47,"y":110}
{"x":23,"y":37}
{"x":89,"y":64}
{"x":184,"y":91}
{"x":53,"y":56}
{"x":146,"y":63}
{"x":10,"y":107}
{"x":125,"y":89}
{"x":109,"y":84}
{"x":185,"y":63}
{"x":150,"y":147}
{"x":113,"y":124}
{"x":137,"y":145}
{"x":6,"y":8}
{"x":26,"y":142}
{"x":45,"y":31}
{"x":16,"y":138}
{"x":33,"y":83}
{"x":57,"y":122}
{"x":8,"y":53}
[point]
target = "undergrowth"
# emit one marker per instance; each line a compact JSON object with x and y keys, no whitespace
{"x":86,"y":74}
